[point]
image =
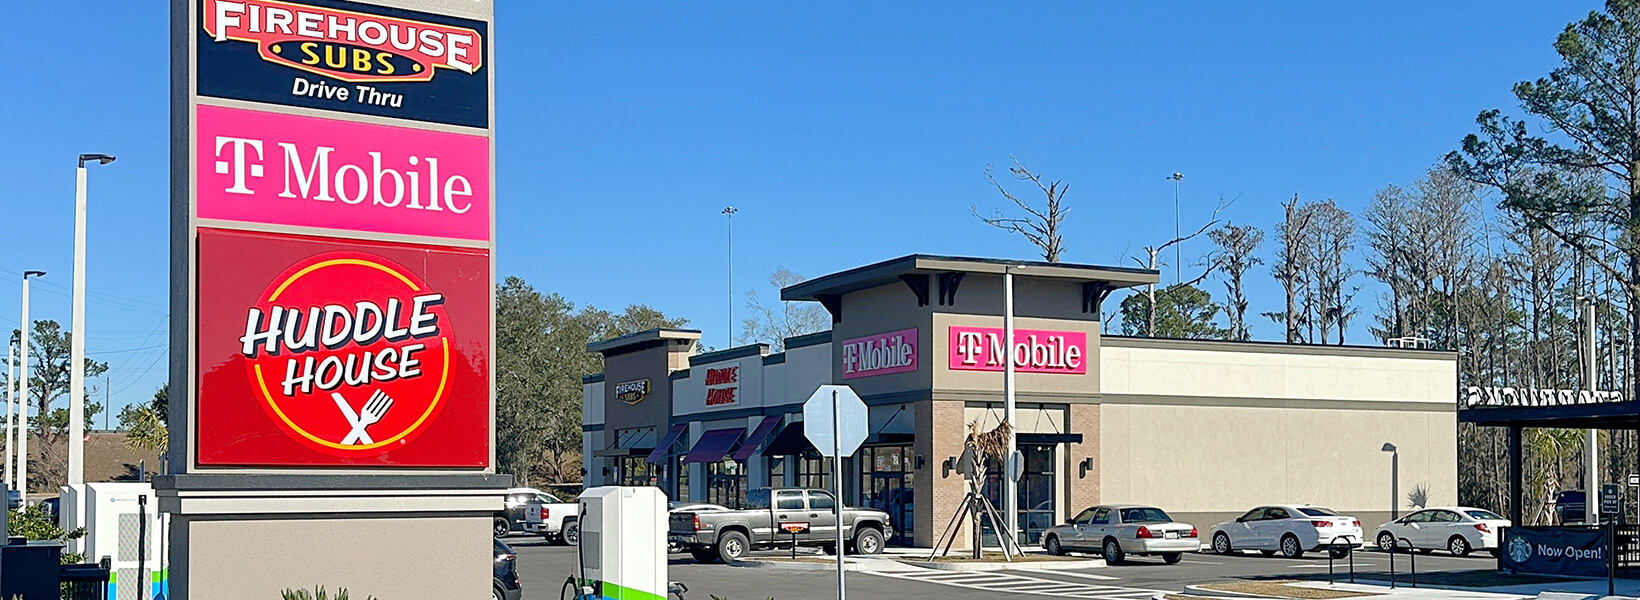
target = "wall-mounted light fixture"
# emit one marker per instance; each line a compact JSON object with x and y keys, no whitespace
{"x":606,"y":471}
{"x":921,"y":462}
{"x":1085,"y":466}
{"x":947,"y":466}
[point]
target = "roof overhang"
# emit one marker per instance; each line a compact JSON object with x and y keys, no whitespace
{"x":889,"y":271}
{"x":643,"y":337}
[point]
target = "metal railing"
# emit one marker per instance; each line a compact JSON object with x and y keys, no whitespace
{"x":85,"y":581}
{"x":1334,"y":548}
{"x":1412,"y":552}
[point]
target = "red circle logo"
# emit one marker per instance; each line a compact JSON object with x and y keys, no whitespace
{"x":349,"y":353}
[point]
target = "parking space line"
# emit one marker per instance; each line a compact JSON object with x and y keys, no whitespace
{"x":1021,"y":584}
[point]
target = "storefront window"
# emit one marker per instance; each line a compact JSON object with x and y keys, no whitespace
{"x":777,"y":470}
{"x":886,"y":484}
{"x":726,"y":483}
{"x":635,"y":471}
{"x":1035,"y":493}
{"x":683,"y":479}
{"x":813,"y":472}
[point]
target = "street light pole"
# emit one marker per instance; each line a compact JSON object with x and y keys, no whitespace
{"x":1178,"y":261}
{"x":76,"y":344}
{"x":22,"y":392}
{"x":730,"y":210}
{"x":1591,"y":487}
{"x":1394,"y":481}
{"x":11,"y":409}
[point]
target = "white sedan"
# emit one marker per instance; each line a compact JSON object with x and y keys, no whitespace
{"x":1289,"y":529}
{"x":1458,"y":529}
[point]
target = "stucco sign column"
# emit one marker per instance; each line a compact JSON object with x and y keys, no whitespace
{"x":332,"y":300}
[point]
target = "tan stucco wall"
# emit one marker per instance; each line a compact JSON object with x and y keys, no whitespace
{"x":364,"y":555}
{"x":1207,"y":434}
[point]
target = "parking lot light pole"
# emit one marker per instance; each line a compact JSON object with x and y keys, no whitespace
{"x":76,"y":345}
{"x":1394,"y":481}
{"x":1010,"y":483}
{"x":22,"y":392}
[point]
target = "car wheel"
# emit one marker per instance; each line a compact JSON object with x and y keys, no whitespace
{"x":732,"y":547}
{"x":1290,"y":547}
{"x":1113,"y":552}
{"x":1386,"y":541}
{"x":1221,"y":544}
{"x":1172,"y":558}
{"x":497,"y":594}
{"x":502,"y":527}
{"x":572,"y":533}
{"x":1458,"y":546}
{"x":1052,"y":546}
{"x":703,"y":556}
{"x":868,"y":542}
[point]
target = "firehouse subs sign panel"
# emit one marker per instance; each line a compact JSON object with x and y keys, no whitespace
{"x":341,"y":278}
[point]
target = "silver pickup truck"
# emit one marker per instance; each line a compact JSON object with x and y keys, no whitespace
{"x":777,"y":518}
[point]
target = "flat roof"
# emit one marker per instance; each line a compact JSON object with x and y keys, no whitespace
{"x":643,"y":337}
{"x":889,"y":271}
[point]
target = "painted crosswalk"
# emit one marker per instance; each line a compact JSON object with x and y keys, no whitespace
{"x":1021,"y":583}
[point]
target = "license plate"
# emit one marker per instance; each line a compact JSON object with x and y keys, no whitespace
{"x":1171,"y":535}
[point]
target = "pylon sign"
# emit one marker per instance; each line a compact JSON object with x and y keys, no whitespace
{"x":332,"y":236}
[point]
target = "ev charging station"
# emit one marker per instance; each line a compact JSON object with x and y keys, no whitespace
{"x":119,"y":519}
{"x":623,"y":544}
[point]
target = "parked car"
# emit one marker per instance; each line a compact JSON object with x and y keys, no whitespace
{"x":1122,"y":530}
{"x":507,"y":586}
{"x":728,"y":535}
{"x":1458,"y":529}
{"x":531,"y":510}
{"x":1290,"y":529}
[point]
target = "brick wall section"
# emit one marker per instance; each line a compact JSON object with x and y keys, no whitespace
{"x":940,"y":434}
{"x":1084,"y":490}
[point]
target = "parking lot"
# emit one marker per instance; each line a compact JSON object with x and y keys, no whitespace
{"x":544,"y":569}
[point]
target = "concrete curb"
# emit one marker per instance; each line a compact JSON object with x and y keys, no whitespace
{"x":1198,"y":590}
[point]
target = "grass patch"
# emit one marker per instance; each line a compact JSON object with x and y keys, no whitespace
{"x":1279,"y":589}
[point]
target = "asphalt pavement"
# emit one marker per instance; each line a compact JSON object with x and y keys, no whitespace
{"x":544,"y":568}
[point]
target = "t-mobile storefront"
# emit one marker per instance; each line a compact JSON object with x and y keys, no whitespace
{"x":920,"y":339}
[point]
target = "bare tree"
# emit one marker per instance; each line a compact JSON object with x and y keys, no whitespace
{"x":772,"y":324}
{"x":1292,"y":266}
{"x":1152,"y":262}
{"x":1235,"y":257}
{"x":1331,"y":239}
{"x":1040,"y":226}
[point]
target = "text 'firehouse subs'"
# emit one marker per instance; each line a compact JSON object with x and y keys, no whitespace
{"x":347,"y":45}
{"x":298,"y":330}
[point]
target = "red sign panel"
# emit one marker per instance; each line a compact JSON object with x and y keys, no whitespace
{"x":365,"y":354}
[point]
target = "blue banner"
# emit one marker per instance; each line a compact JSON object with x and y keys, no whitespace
{"x":1577,"y":551}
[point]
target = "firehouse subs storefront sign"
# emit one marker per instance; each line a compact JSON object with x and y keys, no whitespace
{"x":345,"y":56}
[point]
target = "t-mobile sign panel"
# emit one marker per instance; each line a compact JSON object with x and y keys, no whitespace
{"x":280,"y":169}
{"x":980,"y":349}
{"x":881,"y":354}
{"x":377,"y":354}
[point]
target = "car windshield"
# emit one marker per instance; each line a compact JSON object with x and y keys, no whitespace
{"x":1316,"y":511}
{"x":1144,"y":515}
{"x":1484,"y":515}
{"x":501,"y":548}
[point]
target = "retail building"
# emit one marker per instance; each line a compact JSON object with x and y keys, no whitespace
{"x":1203,"y":429}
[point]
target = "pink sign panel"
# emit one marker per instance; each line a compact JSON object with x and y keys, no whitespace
{"x":277,"y":169}
{"x":881,"y":354}
{"x":980,"y":349}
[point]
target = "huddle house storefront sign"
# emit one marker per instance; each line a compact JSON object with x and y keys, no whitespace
{"x":920,"y":339}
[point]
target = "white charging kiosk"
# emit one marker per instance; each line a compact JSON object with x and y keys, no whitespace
{"x":623,"y":542}
{"x":115,"y":516}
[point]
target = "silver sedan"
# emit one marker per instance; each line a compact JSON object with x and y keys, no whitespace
{"x":1118,"y":531}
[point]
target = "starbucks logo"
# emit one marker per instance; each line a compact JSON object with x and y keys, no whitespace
{"x":1519,"y":550}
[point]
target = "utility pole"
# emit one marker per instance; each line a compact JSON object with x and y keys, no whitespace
{"x":730,"y":210}
{"x":76,"y":345}
{"x":1178,"y":247}
{"x":22,"y":391}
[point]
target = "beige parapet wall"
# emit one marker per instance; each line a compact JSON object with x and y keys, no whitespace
{"x":1210,"y":429}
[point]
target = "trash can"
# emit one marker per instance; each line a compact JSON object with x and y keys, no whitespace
{"x":30,"y":570}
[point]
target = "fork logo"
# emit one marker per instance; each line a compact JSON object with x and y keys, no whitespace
{"x":350,"y":352}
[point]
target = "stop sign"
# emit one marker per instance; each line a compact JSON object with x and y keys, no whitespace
{"x":843,"y":435}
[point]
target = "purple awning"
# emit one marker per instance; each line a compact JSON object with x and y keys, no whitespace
{"x":714,"y":445}
{"x":763,"y":431}
{"x":665,"y":447}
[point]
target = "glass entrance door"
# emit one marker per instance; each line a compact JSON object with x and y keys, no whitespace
{"x":1037,"y":491}
{"x":887,"y":483}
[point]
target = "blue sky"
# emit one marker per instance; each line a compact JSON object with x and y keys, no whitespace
{"x":846,"y":133}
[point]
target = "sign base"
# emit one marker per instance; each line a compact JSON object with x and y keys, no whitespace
{"x":253,"y":536}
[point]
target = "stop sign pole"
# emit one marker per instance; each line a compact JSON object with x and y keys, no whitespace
{"x":838,"y":438}
{"x":837,"y":488}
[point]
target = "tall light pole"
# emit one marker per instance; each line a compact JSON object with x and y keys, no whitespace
{"x":1394,"y":481}
{"x":730,"y":210}
{"x":76,"y":344}
{"x":11,"y":411}
{"x":1591,"y":483}
{"x":22,"y":391}
{"x":1178,"y":246}
{"x":1010,"y":483}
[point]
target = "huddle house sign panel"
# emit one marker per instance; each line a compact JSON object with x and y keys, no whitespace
{"x":345,"y":56}
{"x":338,"y":265}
